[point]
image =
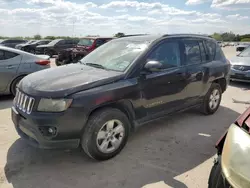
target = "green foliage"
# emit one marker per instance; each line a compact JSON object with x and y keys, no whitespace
{"x":230,"y":36}
{"x":119,"y":34}
{"x":37,"y":37}
{"x":245,"y":40}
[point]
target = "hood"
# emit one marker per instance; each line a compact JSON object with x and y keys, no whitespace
{"x":22,"y":45}
{"x":240,"y":60}
{"x":65,"y":80}
{"x":44,"y":46}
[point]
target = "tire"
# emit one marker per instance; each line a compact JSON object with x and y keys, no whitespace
{"x":206,"y":108}
{"x":94,"y":139}
{"x":14,"y":84}
{"x":215,"y":177}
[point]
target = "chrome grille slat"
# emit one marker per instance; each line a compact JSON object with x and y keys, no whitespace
{"x":24,"y":102}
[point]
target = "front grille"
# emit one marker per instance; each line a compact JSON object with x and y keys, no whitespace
{"x":24,"y":102}
{"x":241,"y":67}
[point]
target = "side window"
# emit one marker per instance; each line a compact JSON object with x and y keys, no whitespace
{"x":167,"y":53}
{"x":7,"y":55}
{"x":203,"y":52}
{"x":192,"y":52}
{"x":99,"y":42}
{"x":211,"y":48}
{"x":219,"y":53}
{"x":1,"y":55}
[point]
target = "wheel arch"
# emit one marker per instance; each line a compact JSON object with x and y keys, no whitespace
{"x":124,"y":106}
{"x":222,"y":82}
{"x":13,"y":80}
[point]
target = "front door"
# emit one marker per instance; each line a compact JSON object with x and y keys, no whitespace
{"x":164,"y":91}
{"x":9,"y":63}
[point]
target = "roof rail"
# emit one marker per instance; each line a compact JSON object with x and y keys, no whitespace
{"x":133,"y":35}
{"x":187,"y":34}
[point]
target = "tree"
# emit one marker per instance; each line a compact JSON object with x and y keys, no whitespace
{"x":217,"y":36}
{"x":119,"y":34}
{"x":37,"y":37}
{"x":50,"y":37}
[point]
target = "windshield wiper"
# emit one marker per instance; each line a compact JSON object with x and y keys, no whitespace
{"x":95,"y":65}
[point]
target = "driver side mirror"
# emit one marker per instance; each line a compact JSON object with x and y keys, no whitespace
{"x":153,"y":66}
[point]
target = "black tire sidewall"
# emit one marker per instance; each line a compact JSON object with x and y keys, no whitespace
{"x":215,"y":177}
{"x":14,"y":84}
{"x":206,"y":106}
{"x":93,"y":126}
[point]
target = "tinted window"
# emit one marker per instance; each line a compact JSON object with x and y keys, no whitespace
{"x":99,"y":42}
{"x":7,"y":55}
{"x":219,"y":53}
{"x":168,"y":53}
{"x":211,"y":47}
{"x":203,"y":52}
{"x":1,"y":55}
{"x":192,"y":52}
{"x":62,"y":42}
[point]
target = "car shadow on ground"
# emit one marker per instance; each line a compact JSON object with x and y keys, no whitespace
{"x":6,"y":101}
{"x":158,"y":151}
{"x":243,"y":85}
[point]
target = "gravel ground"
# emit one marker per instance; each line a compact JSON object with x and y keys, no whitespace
{"x":174,"y":152}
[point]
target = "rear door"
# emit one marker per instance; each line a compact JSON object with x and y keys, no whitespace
{"x":194,"y":59}
{"x":9,"y":64}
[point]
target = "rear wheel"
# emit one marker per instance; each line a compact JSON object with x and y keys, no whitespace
{"x":14,"y":85}
{"x":106,"y":134}
{"x":212,"y":99}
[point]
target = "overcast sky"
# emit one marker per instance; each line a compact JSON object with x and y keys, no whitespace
{"x":105,"y":17}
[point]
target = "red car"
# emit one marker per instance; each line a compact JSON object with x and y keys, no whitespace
{"x":84,"y":46}
{"x":232,"y":166}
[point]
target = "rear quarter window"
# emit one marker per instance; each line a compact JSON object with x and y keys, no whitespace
{"x":219,"y":53}
{"x":211,"y":49}
{"x":4,"y":55}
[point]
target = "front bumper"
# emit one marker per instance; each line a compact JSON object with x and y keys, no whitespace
{"x":69,"y":127}
{"x":241,"y":76}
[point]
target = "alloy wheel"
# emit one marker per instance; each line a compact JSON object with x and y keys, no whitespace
{"x":110,"y":136}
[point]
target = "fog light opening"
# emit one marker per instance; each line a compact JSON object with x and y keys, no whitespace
{"x":52,"y":130}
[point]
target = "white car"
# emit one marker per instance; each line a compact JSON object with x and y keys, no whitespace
{"x":16,"y":64}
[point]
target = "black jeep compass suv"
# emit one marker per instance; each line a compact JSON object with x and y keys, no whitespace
{"x":126,"y":82}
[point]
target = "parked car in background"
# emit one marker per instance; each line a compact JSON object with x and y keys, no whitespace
{"x":31,"y":47}
{"x":56,"y":46}
{"x":241,"y":47}
{"x":18,"y":46}
{"x":240,"y":69}
{"x":232,"y":164}
{"x":12,"y":42}
{"x":83,"y":47}
{"x":16,"y":64}
{"x":120,"y":85}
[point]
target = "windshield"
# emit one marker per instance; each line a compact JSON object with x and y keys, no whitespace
{"x":245,"y":53}
{"x":53,"y":42}
{"x":86,"y":42}
{"x":116,"y":55}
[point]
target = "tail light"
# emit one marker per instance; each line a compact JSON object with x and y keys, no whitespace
{"x":43,"y":62}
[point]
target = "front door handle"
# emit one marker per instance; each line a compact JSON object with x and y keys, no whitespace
{"x":10,"y":67}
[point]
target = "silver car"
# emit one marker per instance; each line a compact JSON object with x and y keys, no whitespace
{"x":240,"y":69}
{"x":15,"y":64}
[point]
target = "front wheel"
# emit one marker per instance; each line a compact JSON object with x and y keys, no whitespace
{"x":212,"y":99}
{"x":106,"y":134}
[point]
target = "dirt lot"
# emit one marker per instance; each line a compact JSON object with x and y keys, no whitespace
{"x":174,"y":152}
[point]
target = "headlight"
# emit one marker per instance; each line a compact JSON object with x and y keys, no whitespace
{"x":235,"y":160}
{"x":54,"y":105}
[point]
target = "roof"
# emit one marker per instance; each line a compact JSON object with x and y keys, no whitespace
{"x":151,"y":38}
{"x":95,"y":37}
{"x":13,"y":50}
